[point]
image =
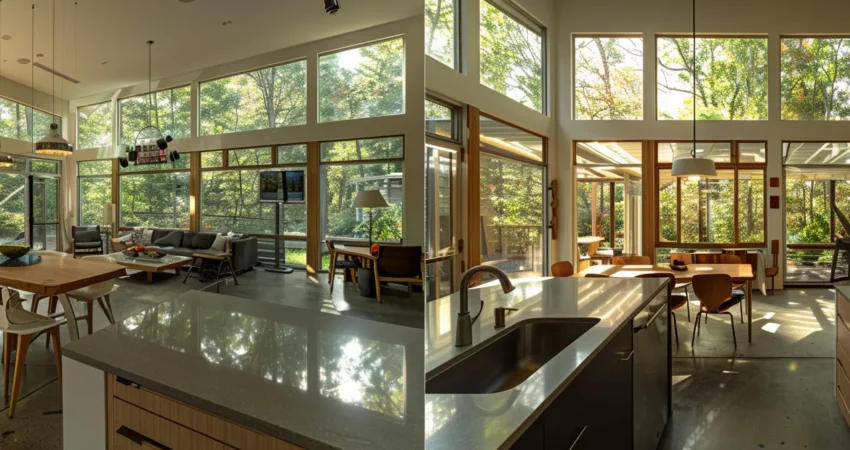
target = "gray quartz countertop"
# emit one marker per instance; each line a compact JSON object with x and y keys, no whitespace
{"x":490,"y":421}
{"x":314,"y":379}
{"x":844,"y":288}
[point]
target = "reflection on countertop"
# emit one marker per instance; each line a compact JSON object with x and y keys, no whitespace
{"x":314,"y":379}
{"x":489,"y":421}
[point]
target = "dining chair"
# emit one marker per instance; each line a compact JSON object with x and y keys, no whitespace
{"x":344,"y":265}
{"x":676,"y":300}
{"x":631,"y":260}
{"x":772,"y":272}
{"x":733,"y":259}
{"x":34,"y":299}
{"x":687,"y":259}
{"x":716,"y":296}
{"x":19,"y":328}
{"x":562,"y":269}
{"x":99,"y":292}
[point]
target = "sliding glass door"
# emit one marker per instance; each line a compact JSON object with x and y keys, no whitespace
{"x":44,"y":216}
{"x":12,"y":208}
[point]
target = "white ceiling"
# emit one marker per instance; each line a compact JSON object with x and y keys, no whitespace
{"x":189,"y":36}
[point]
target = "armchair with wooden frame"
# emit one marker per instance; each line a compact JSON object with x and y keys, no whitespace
{"x":86,"y":241}
{"x":400,"y":264}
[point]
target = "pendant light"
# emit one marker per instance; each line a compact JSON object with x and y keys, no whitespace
{"x":694,"y":168}
{"x":53,"y":144}
{"x":5,"y":159}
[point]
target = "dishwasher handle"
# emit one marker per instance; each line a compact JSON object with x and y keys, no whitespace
{"x":651,"y":319}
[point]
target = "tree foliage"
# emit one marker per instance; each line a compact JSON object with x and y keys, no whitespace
{"x":608,"y":78}
{"x":440,"y":31}
{"x":815,"y":79}
{"x":729,"y":74}
{"x":168,"y":110}
{"x":94,"y":125}
{"x":511,"y":57}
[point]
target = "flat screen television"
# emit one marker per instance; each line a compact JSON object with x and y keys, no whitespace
{"x":282,"y":186}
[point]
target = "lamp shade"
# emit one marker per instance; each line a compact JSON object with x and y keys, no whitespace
{"x":693,"y":167}
{"x":370,"y":199}
{"x":108,"y":213}
{"x":53,"y":143}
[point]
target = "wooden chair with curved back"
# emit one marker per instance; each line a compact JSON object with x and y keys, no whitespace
{"x":728,"y":258}
{"x":676,"y":300}
{"x":716,"y":296}
{"x":631,"y":260}
{"x":771,"y":272}
{"x":687,"y":259}
{"x":562,"y":269}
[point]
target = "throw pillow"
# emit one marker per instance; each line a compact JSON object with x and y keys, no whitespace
{"x":172,"y":239}
{"x":374,"y":249}
{"x":137,"y":234}
{"x":146,"y":237}
{"x":221,"y":244}
{"x":203,"y":241}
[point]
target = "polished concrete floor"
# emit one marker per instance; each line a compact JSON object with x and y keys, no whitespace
{"x":37,"y":424}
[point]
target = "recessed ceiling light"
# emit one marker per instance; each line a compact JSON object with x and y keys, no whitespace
{"x":23,"y":61}
{"x":6,"y":37}
{"x":104,"y":63}
{"x":186,"y":1}
{"x":40,"y":55}
{"x":227,"y":23}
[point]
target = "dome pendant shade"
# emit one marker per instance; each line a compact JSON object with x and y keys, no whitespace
{"x":693,"y":167}
{"x":53,"y":144}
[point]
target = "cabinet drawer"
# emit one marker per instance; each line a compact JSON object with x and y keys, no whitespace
{"x":842,"y":333}
{"x":842,"y":306}
{"x":842,"y":360}
{"x":136,"y":428}
{"x":841,"y":397}
{"x":236,"y":436}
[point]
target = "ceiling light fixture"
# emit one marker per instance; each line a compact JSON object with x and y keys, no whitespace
{"x":147,"y":136}
{"x":52,"y":144}
{"x":5,"y":160}
{"x":331,"y":6}
{"x":694,"y":168}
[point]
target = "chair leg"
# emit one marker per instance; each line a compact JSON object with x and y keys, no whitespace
{"x":688,"y":303}
{"x":732,"y":321}
{"x":742,"y":311}
{"x":696,"y":328}
{"x":17,"y":379}
{"x":109,"y":306}
{"x":104,"y":309}
{"x":90,"y":316}
{"x":675,"y":327}
{"x":9,"y":342}
{"x":57,"y":352}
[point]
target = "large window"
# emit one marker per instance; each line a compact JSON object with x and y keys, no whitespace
{"x":19,"y":121}
{"x":440,"y":120}
{"x":267,"y":98}
{"x":12,"y":207}
{"x":94,"y":125}
{"x":730,"y":76}
{"x":169,"y":110}
{"x":512,"y":186}
{"x":95,"y":190}
{"x":440,"y":20}
{"x":817,"y":177}
{"x":155,"y":195}
{"x":608,"y":78}
{"x":609,"y":194}
{"x":512,"y":54}
{"x":362,"y":82}
{"x":230,"y":200}
{"x":343,"y":175}
{"x":815,"y":78}
{"x":726,"y":209}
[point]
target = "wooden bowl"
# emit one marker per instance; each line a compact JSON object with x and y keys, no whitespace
{"x":14,"y":251}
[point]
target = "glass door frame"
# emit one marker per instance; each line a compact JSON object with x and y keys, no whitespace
{"x":30,"y":208}
{"x":452,"y":254}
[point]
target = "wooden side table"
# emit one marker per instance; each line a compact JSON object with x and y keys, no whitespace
{"x":222,"y":257}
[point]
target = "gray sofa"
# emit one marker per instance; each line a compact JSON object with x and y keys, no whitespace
{"x":184,"y":243}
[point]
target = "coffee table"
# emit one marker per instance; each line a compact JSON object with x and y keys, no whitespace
{"x":170,"y":262}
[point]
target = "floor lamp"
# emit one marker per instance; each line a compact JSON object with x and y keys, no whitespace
{"x":371,"y":200}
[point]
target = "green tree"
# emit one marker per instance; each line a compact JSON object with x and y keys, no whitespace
{"x":440,"y":30}
{"x":608,"y":78}
{"x":815,"y":79}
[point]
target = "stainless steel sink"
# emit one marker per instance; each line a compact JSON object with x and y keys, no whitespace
{"x":509,"y":359}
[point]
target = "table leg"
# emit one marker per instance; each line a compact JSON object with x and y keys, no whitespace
{"x":150,"y":277}
{"x":750,"y":311}
{"x":69,"y":315}
{"x":332,"y":272}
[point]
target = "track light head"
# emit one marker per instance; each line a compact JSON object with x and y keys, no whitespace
{"x":331,"y":6}
{"x":173,"y":155}
{"x":123,"y":162}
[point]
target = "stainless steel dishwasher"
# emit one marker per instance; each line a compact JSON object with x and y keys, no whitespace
{"x":651,"y":372}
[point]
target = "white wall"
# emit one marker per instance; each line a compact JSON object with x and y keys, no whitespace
{"x":772,"y":18}
{"x":409,"y":124}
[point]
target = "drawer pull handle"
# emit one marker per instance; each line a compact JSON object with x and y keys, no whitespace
{"x":629,"y":356}
{"x":578,"y":438}
{"x":140,"y":439}
{"x":127,"y":382}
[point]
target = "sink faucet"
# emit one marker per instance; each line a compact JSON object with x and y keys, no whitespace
{"x":463,"y":328}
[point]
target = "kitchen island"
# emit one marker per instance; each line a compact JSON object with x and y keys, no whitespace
{"x":213,"y":371}
{"x":611,"y":312}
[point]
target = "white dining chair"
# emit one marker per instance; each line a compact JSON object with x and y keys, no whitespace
{"x":19,"y":328}
{"x":99,"y":292}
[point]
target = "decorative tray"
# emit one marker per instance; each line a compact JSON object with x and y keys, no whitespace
{"x":145,"y":256}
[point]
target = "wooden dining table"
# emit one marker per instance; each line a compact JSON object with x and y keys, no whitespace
{"x":54,"y":277}
{"x":740,"y":273}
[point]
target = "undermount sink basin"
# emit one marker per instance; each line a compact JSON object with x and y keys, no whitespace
{"x":509,"y":359}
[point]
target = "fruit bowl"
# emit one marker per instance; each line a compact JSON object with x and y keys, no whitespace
{"x":14,"y":251}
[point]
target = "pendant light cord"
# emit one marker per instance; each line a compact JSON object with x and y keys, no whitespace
{"x":32,"y":81}
{"x":150,"y":90}
{"x":54,"y":61}
{"x":694,"y":81}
